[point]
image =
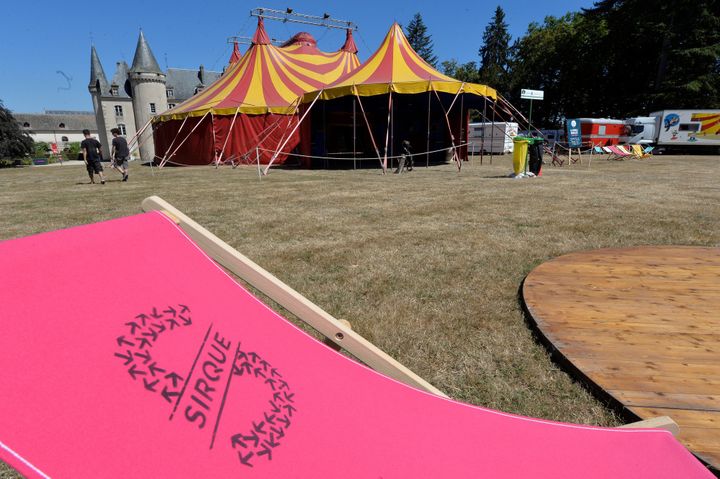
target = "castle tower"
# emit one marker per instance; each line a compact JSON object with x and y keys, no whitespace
{"x":149,"y":94}
{"x":98,"y":86}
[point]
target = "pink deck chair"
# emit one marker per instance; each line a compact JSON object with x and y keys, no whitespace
{"x":616,"y":153}
{"x":161,"y":365}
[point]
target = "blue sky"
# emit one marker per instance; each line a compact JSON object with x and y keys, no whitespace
{"x":42,"y":38}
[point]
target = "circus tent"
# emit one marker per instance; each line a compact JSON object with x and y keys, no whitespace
{"x":251,"y":105}
{"x":393,"y":96}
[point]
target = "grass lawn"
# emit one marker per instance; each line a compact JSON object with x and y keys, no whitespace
{"x":426,"y":265}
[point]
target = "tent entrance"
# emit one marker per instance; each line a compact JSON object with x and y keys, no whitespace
{"x":339,"y":136}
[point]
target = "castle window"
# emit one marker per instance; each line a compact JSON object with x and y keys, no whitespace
{"x":122,"y":129}
{"x":170,"y":93}
{"x":118,"y":110}
{"x":61,"y":125}
{"x":152,"y":108}
{"x":114,"y":90}
{"x":64,"y":138}
{"x":26,"y":125}
{"x":171,"y":105}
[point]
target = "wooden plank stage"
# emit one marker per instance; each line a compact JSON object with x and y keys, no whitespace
{"x":641,"y":326}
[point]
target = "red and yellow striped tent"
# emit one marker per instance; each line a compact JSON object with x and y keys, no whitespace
{"x":392,"y":97}
{"x":251,"y":105}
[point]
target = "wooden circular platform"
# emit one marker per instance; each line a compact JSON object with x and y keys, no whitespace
{"x":642,"y":325}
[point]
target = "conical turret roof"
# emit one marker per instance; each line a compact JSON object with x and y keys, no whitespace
{"x":144,"y":60}
{"x":97,"y":74}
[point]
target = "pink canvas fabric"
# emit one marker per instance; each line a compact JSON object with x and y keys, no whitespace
{"x":189,"y":375}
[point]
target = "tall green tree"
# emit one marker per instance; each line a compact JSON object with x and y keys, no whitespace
{"x":14,"y":143}
{"x":561,"y":57}
{"x":661,"y":54}
{"x":495,"y":53}
{"x":420,"y":40}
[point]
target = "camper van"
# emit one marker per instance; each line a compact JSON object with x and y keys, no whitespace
{"x":676,"y":129}
{"x":601,"y":131}
{"x":496,"y":138}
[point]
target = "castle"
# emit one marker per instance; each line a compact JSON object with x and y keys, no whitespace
{"x":136,"y":93}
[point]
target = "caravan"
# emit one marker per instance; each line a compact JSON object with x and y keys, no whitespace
{"x":676,"y":129}
{"x":496,"y":138}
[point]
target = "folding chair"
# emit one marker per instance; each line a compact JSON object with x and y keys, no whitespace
{"x":625,"y":150}
{"x":616,"y":153}
{"x":639,"y":152}
{"x":160,"y":364}
{"x":598,"y":150}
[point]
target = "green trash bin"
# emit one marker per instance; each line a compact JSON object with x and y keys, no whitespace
{"x":520,"y":150}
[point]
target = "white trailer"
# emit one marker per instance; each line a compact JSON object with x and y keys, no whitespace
{"x":496,"y":138}
{"x":676,"y":129}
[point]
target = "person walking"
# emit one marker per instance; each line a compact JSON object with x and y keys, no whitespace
{"x":120,"y":153}
{"x":92,"y":154}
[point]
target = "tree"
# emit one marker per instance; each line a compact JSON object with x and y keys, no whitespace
{"x":467,"y":72}
{"x":562,"y":57}
{"x":495,"y":53}
{"x":14,"y":143}
{"x":420,"y":40}
{"x":664,"y":54}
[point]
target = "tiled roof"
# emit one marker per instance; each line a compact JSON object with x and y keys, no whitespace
{"x":50,"y":122}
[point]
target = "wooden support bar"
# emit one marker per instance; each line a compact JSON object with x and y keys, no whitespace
{"x":290,"y":299}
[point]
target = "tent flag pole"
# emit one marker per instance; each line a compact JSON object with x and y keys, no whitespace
{"x":172,"y":143}
{"x":285,"y":142}
{"x":427,"y":143}
{"x":165,"y":160}
{"x":387,"y":131}
{"x":227,"y":137}
{"x":367,"y":123}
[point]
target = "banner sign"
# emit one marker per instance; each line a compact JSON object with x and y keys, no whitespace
{"x":574,"y":134}
{"x":526,"y":94}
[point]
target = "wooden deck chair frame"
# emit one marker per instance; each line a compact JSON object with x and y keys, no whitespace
{"x":332,"y":328}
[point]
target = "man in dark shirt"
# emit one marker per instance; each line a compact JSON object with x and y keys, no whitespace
{"x":92,"y":154}
{"x":120,"y":153}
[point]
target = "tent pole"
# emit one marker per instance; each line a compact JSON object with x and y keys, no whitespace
{"x":462,"y":124}
{"x":482,"y":139}
{"x":324,"y":121}
{"x":427,"y":143}
{"x":447,"y":122}
{"x":492,"y":133}
{"x":277,"y":152}
{"x":227,"y":137}
{"x":367,"y":123}
{"x":387,"y":131}
{"x":212,"y":126}
{"x":354,"y":134}
{"x":172,"y":143}
{"x":165,"y":160}
{"x":257,"y":158}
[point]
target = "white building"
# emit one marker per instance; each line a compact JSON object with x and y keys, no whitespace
{"x":60,"y":127}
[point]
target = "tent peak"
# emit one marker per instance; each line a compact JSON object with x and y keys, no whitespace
{"x":349,"y":45}
{"x":261,"y":37}
{"x":303,"y":38}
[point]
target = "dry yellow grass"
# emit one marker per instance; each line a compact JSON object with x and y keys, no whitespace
{"x":427,"y":265}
